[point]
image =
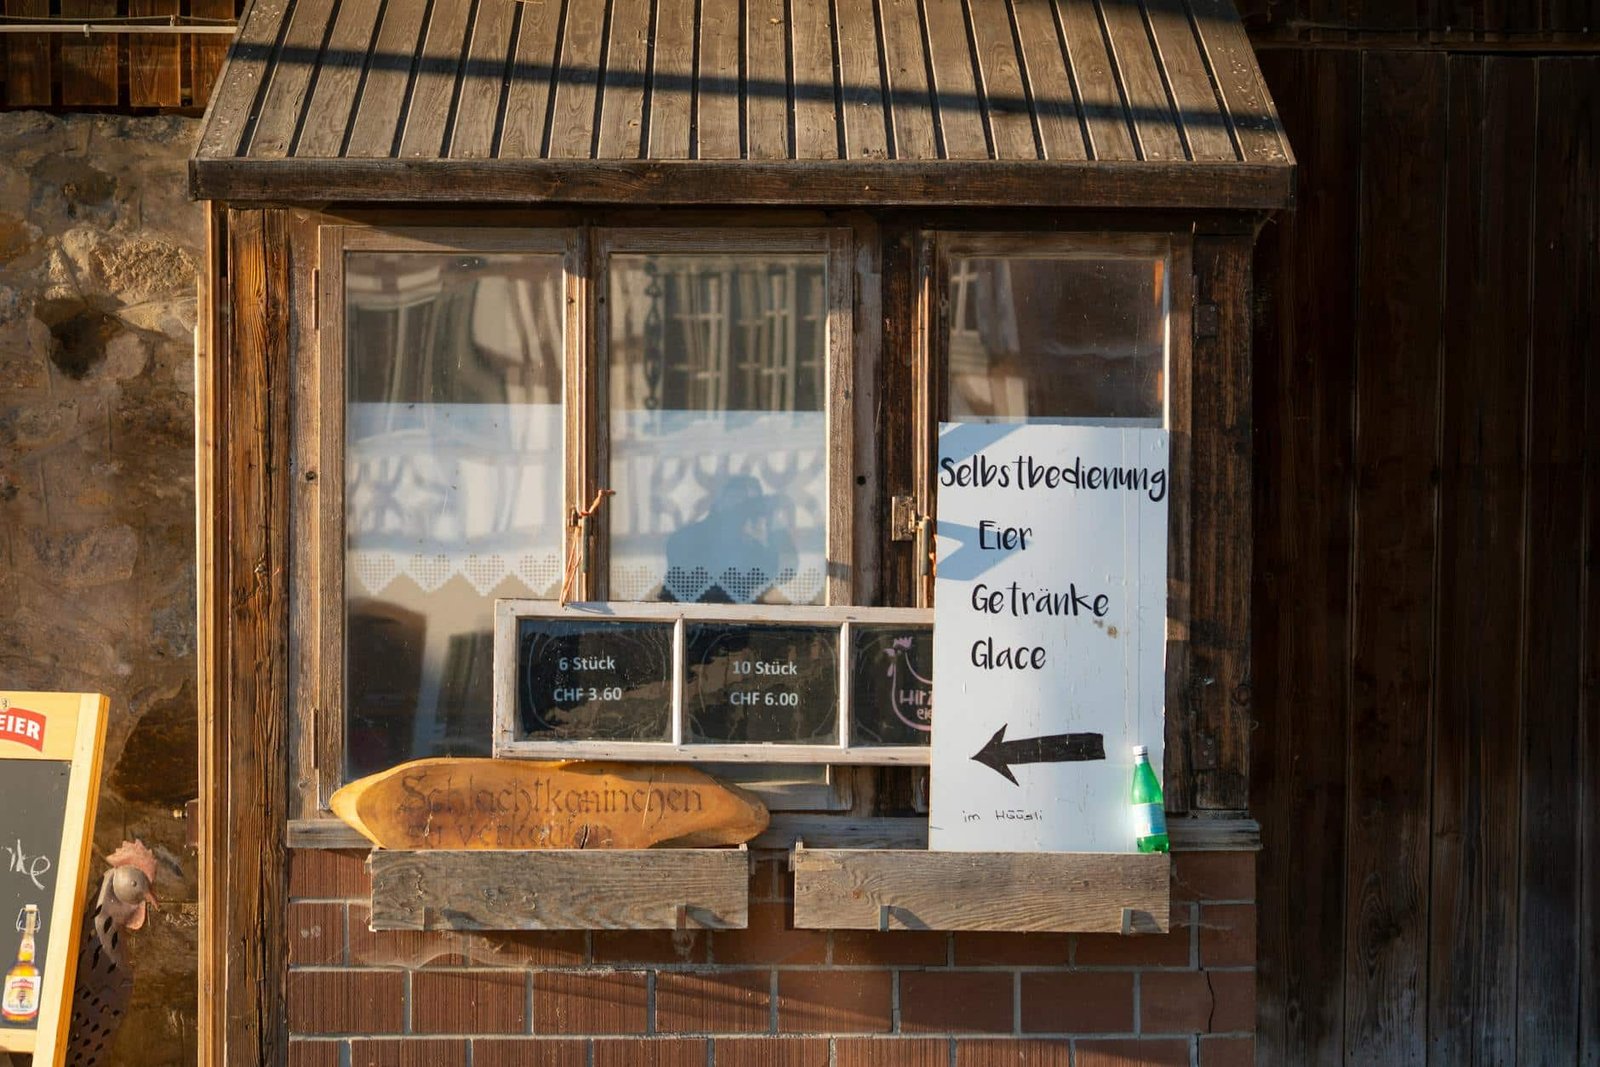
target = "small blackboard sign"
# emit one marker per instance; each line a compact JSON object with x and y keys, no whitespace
{"x":596,"y":679}
{"x":761,"y":683}
{"x":891,"y":684}
{"x":49,"y":772}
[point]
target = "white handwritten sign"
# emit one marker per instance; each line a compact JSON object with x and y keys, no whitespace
{"x":1049,"y":633}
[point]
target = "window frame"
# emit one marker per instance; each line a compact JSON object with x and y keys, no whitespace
{"x":317,"y":586}
{"x":865,"y":319}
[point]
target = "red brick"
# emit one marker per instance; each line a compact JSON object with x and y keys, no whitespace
{"x":526,"y":948}
{"x":724,"y":1002}
{"x":769,"y":939}
{"x":651,"y":1052}
{"x":770,"y":1052}
{"x":1168,"y":1053}
{"x":1025,"y":949}
{"x":1228,"y":935}
{"x":1012,"y":1052}
{"x":650,"y":946}
{"x":409,"y":1052}
{"x":469,"y":1002}
{"x":1077,"y":1002}
{"x":314,"y":1053}
{"x":529,"y":1052}
{"x":1171,"y":949}
{"x":568,"y":1003}
{"x":400,"y":948}
{"x":328,"y":874}
{"x":955,"y":1001}
{"x":316,"y":934}
{"x":1177,"y":1002}
{"x":347,"y":1002}
{"x":1227,"y":1052}
{"x":893,"y":948}
{"x":891,"y":1052}
{"x":836,"y":1002}
{"x":1213,"y":876}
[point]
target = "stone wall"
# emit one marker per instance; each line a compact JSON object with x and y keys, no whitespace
{"x":99,"y":249}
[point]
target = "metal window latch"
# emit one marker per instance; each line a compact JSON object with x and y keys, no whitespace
{"x":905,"y":524}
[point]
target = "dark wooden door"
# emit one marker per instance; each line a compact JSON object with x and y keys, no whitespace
{"x":1427,"y":617}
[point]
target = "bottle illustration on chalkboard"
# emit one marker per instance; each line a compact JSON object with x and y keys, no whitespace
{"x":1149,"y":809}
{"x":20,"y":1003}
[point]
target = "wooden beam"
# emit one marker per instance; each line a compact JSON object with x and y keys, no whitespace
{"x":1220,"y":186}
{"x":561,"y":889}
{"x":243,"y":744}
{"x":901,"y":889}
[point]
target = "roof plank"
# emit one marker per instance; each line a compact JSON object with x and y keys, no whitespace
{"x":1204,"y":125}
{"x":533,"y":70}
{"x":572,"y":132}
{"x":377,"y":118}
{"x":672,"y":81}
{"x":290,"y":83}
{"x":483,"y":81}
{"x":961,"y":121}
{"x":717,"y":81}
{"x":246,"y":68}
{"x":1055,"y":103}
{"x":861,"y":73}
{"x":906,"y":68}
{"x":433,"y":86}
{"x":816,"y":112}
{"x":333,"y":99}
{"x":1244,"y":92}
{"x":1104,"y":112}
{"x":767,"y":80}
{"x":1148,"y":107}
{"x":1000,"y":75}
{"x":622,"y":98}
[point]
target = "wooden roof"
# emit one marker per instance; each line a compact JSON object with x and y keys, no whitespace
{"x":1052,"y":102}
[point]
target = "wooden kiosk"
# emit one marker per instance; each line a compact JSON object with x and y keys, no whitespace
{"x":735,"y":260}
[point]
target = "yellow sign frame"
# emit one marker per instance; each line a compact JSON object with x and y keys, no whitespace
{"x":74,"y":732}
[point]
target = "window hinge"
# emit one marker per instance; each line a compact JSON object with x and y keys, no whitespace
{"x":902,"y":518}
{"x":1207,"y":320}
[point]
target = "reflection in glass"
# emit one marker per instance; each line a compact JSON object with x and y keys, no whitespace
{"x":717,"y":376}
{"x":891,"y":684}
{"x":453,"y":477}
{"x":1033,"y":338}
{"x":761,"y":684}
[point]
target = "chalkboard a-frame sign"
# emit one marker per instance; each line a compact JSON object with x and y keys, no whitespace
{"x":50,"y":748}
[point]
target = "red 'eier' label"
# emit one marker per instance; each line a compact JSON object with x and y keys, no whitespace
{"x":23,"y":727}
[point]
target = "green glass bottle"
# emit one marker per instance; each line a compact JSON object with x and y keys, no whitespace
{"x":1149,"y":810}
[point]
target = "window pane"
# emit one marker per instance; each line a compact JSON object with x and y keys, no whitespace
{"x":1056,"y":338}
{"x":717,"y":377}
{"x":891,"y":684}
{"x":607,"y":682}
{"x":453,"y":481}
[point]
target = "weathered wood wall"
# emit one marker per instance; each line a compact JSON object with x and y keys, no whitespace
{"x":1427,"y":616}
{"x":112,"y":71}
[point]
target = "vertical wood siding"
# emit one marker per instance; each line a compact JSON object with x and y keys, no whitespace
{"x":1427,"y":475}
{"x":112,"y":71}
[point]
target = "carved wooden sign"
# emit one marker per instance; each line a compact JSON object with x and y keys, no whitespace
{"x":513,"y":804}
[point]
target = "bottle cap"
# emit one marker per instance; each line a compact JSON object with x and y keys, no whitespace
{"x":1141,"y":750}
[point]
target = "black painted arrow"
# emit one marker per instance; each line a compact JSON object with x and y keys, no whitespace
{"x":1001,"y":754}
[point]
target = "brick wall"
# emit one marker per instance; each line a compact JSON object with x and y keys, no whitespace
{"x":771,"y":996}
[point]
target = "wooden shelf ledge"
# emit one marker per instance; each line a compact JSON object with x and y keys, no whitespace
{"x":618,"y":889}
{"x":909,"y":889}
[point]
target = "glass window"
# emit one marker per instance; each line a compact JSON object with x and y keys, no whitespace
{"x":453,"y":486}
{"x":1074,"y":337}
{"x":717,"y":382}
